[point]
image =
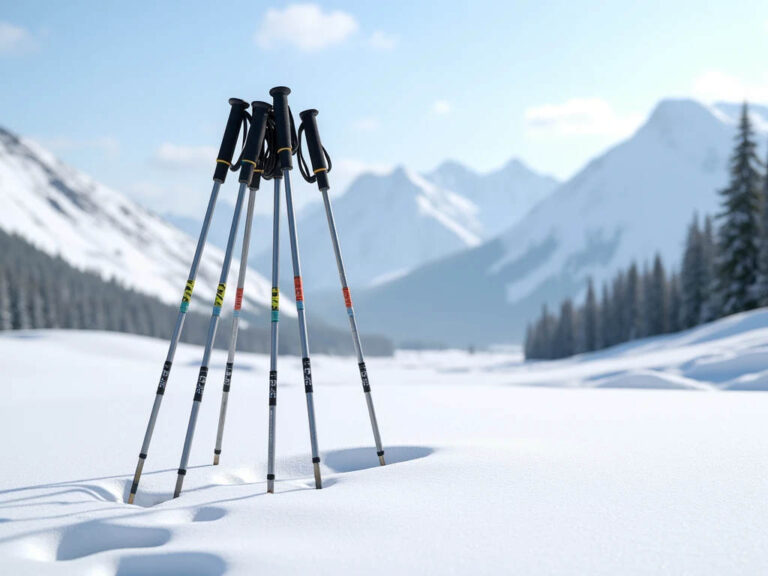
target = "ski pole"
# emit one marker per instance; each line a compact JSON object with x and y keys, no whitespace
{"x":250,"y":155}
{"x":285,"y":150}
{"x":274,"y":337}
{"x":223,"y":162}
{"x":321,"y":165}
{"x":259,"y":109}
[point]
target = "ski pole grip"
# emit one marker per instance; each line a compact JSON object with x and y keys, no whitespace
{"x":255,"y":140}
{"x":282,"y":125}
{"x":229,"y":141}
{"x":315,"y":146}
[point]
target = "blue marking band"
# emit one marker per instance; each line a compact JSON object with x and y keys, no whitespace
{"x":236,"y":314}
{"x":350,"y":312}
{"x":184,"y":306}
{"x":300,"y":305}
{"x":217,"y":310}
{"x":275,"y":316}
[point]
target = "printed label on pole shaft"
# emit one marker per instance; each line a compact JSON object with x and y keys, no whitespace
{"x":239,"y":299}
{"x":220,"y":295}
{"x":347,"y":297}
{"x":298,"y":288}
{"x":273,"y":387}
{"x":188,"y":291}
{"x":201,"y":378}
{"x":275,"y":299}
{"x":307,"y":375}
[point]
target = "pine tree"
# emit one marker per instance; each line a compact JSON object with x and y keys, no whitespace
{"x":606,"y":320}
{"x":740,"y":229}
{"x":694,"y":276}
{"x":590,"y":321}
{"x":762,"y":282}
{"x":712,"y":304}
{"x":633,"y":304}
{"x":566,"y":331}
{"x":5,"y":302}
{"x":674,"y":322}
{"x":658,"y":305}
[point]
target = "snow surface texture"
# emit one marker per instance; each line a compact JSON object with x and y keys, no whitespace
{"x":65,"y":213}
{"x":495,"y":466}
{"x":636,"y":199}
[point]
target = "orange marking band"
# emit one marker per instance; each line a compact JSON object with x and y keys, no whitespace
{"x":239,"y":299}
{"x":298,"y":288}
{"x":347,"y":298}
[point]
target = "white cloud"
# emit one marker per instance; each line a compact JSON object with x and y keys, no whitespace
{"x":305,"y":26}
{"x":581,"y":116}
{"x":13,"y":38}
{"x":716,"y":85}
{"x":366,"y":124}
{"x":383,"y":41}
{"x":172,"y":156}
{"x":106,"y":144}
{"x":441,"y":107}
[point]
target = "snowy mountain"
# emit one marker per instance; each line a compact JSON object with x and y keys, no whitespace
{"x":392,"y":223}
{"x":632,"y":201}
{"x":65,"y":213}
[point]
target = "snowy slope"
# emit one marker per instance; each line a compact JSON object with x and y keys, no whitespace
{"x":92,"y":227}
{"x":495,"y":466}
{"x":632,"y":201}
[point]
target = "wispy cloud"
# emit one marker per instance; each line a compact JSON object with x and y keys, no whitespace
{"x":716,"y":85}
{"x":106,"y":144}
{"x":441,"y":107}
{"x":383,"y":41}
{"x":581,"y":116}
{"x":13,"y":39}
{"x":174,"y":157}
{"x":305,"y":26}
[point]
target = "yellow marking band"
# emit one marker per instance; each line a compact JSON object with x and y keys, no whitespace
{"x":283,"y":149}
{"x":320,"y":170}
{"x":257,"y":171}
{"x":188,"y":291}
{"x":220,"y":161}
{"x":249,"y":161}
{"x":275,"y":299}
{"x":219,"y":300}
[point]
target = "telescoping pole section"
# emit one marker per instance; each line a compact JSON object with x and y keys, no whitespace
{"x":285,"y":151}
{"x":250,"y":156}
{"x":223,"y":162}
{"x":320,"y":169}
{"x":274,"y":337}
{"x":259,"y":109}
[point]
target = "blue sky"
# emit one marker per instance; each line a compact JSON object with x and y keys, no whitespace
{"x":134,"y":93}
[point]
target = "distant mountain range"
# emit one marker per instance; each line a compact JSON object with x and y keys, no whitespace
{"x":393,"y":223}
{"x":627,"y":204}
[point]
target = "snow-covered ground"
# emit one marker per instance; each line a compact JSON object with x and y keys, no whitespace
{"x":495,"y":466}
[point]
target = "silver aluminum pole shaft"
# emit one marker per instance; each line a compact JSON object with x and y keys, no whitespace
{"x":275,"y":323}
{"x":235,"y":322}
{"x":216,"y":314}
{"x":353,"y":326}
{"x":174,"y":339}
{"x":299,"y":291}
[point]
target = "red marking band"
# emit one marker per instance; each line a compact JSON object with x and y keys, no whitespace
{"x":347,"y":298}
{"x":298,"y":288}
{"x":239,"y":299}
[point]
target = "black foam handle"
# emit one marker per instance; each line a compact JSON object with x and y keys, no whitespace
{"x":255,"y":182}
{"x":315,"y":146}
{"x":229,"y":140}
{"x":282,"y":125}
{"x":255,"y":140}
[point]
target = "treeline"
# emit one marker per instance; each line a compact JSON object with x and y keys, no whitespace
{"x":724,"y":270}
{"x":42,"y":291}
